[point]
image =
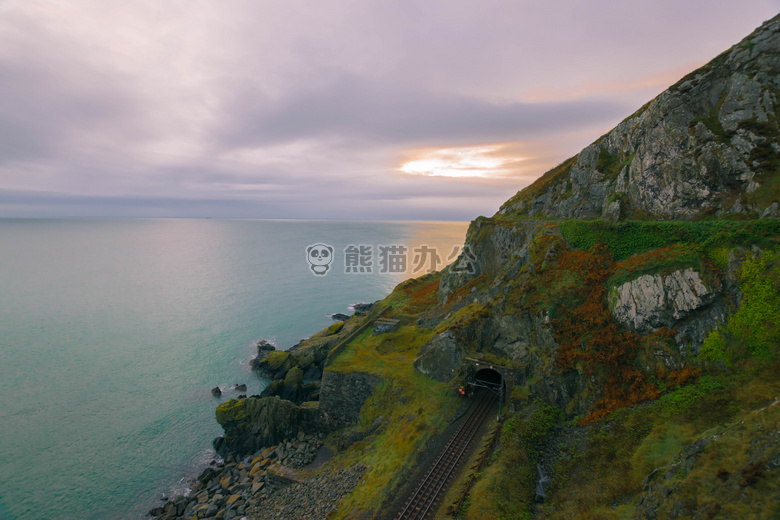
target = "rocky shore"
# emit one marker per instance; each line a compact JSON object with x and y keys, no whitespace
{"x":269,"y":438}
{"x":266,"y":484}
{"x":311,"y":499}
{"x":628,"y":317}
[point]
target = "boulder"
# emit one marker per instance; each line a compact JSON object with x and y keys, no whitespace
{"x":253,"y":423}
{"x":655,"y":300}
{"x":441,"y":357}
{"x":362,"y":307}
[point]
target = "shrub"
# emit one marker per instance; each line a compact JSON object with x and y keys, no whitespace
{"x":752,"y":331}
{"x":535,"y":428}
{"x":628,"y":238}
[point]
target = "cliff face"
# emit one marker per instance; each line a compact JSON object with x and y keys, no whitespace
{"x":706,"y":146}
{"x":254,"y":423}
{"x":632,"y":291}
{"x":595,"y":315}
{"x":635,"y":288}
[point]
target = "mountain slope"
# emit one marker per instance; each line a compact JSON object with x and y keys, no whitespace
{"x":639,"y":353}
{"x":706,"y":146}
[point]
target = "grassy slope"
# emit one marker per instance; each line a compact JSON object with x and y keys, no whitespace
{"x":410,"y":406}
{"x":601,"y":468}
{"x":603,"y":477}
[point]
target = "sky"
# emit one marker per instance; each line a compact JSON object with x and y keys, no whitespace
{"x":345,"y":109}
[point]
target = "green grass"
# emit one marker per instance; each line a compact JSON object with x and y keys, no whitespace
{"x":507,"y":487}
{"x":658,"y":261}
{"x":411,"y":406}
{"x":766,"y":161}
{"x":628,"y":238}
{"x":277,"y":358}
{"x":602,"y":477}
{"x":712,"y":123}
{"x":464,"y":315}
{"x":611,"y":165}
{"x":659,"y":447}
{"x":752,"y":331}
{"x":335,"y":328}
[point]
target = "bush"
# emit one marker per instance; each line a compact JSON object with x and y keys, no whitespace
{"x":628,"y":238}
{"x":756,"y":321}
{"x":535,"y":428}
{"x":752,"y":331}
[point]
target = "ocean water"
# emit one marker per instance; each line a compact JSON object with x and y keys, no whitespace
{"x":113,"y":332}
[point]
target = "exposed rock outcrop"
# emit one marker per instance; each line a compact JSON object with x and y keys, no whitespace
{"x":654,"y":300}
{"x":342,"y":395}
{"x":738,"y":475}
{"x":442,"y":357}
{"x":707,"y":145}
{"x":490,"y":245}
{"x":293,"y":388}
{"x":309,"y":355}
{"x":253,"y":423}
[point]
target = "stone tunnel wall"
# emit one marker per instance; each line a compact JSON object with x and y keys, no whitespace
{"x":342,"y":394}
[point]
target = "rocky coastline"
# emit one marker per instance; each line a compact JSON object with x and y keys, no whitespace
{"x":633,"y":314}
{"x":268,"y":480}
{"x":265,"y":456}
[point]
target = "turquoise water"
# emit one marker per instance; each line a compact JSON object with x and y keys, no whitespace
{"x":113,"y":332}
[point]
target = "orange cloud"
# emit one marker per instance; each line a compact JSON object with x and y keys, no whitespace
{"x":655,"y":83}
{"x":489,"y":161}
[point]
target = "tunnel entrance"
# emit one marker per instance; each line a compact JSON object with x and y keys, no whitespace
{"x":489,"y":379}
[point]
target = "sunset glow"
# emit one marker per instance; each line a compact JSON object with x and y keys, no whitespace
{"x":482,"y":161}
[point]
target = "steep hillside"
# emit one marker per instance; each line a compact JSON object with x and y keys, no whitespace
{"x":630,"y":298}
{"x":707,"y":146}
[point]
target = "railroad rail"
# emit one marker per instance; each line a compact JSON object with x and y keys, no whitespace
{"x":424,"y":497}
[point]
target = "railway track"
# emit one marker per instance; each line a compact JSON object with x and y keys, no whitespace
{"x":424,"y":498}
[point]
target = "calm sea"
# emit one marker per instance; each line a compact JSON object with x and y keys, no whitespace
{"x":113,"y":332}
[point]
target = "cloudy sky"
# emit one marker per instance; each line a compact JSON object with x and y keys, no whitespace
{"x":397,"y":109}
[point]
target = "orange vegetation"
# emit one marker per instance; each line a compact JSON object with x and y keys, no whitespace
{"x":588,"y":337}
{"x":416,"y":295}
{"x":424,"y":296}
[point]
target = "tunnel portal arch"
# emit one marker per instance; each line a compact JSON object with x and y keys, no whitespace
{"x":502,"y":378}
{"x":489,"y":378}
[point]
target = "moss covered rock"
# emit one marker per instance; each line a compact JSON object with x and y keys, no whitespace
{"x":253,"y":423}
{"x":335,"y":328}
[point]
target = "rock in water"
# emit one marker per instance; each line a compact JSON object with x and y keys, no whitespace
{"x":240,"y":388}
{"x":363,"y":307}
{"x":264,"y":346}
{"x":216,"y":392}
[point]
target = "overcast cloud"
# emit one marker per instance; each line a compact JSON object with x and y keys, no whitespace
{"x":303,"y":109}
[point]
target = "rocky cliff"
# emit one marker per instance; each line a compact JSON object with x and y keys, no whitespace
{"x":632,"y":294}
{"x":635,"y":288}
{"x":254,"y":423}
{"x":706,"y":146}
